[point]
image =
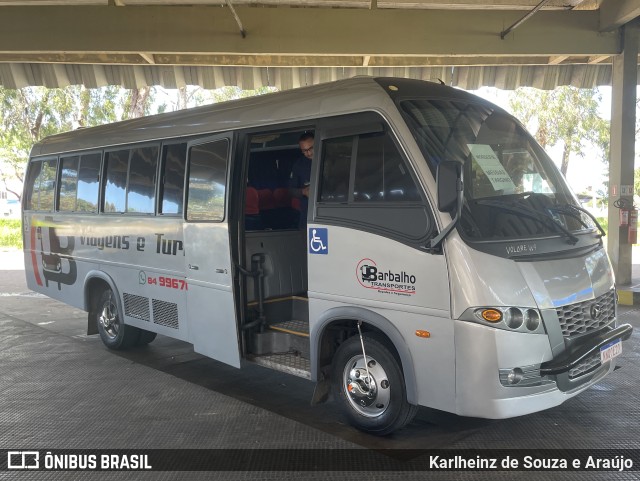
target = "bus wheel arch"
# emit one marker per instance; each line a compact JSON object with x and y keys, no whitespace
{"x":95,"y":282}
{"x":371,"y":390}
{"x":339,"y":326}
{"x":342,"y":321}
{"x":102,"y":301}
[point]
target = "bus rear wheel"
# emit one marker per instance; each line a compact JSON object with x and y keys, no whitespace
{"x":372,"y":394}
{"x":115,"y":334}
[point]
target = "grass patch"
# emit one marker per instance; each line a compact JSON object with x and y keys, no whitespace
{"x":11,"y":233}
{"x":604,"y":222}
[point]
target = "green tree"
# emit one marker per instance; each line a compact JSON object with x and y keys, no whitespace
{"x":32,"y":113}
{"x":194,"y":96}
{"x":27,"y":115}
{"x":566,"y":115}
{"x":232,"y":93}
{"x":138,"y":103}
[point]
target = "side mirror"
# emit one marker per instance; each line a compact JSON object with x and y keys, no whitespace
{"x":448,"y":180}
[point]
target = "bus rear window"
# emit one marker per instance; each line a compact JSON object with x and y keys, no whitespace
{"x":40,"y":185}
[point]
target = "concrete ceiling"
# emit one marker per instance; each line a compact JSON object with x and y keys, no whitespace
{"x":286,"y":44}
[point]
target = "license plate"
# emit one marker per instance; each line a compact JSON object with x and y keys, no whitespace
{"x":610,"y":351}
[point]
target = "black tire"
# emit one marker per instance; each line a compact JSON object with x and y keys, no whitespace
{"x":146,"y":337}
{"x":115,"y":334}
{"x":386,"y":409}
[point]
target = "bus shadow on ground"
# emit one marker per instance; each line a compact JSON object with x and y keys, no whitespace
{"x":290,"y":396}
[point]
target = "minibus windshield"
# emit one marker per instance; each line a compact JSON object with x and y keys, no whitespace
{"x":511,"y":188}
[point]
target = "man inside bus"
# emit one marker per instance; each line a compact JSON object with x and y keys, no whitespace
{"x":301,"y":175}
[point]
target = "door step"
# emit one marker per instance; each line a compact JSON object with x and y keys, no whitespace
{"x":296,"y":328}
{"x":291,"y":363}
{"x":281,"y":338}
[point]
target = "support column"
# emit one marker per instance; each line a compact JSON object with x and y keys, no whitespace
{"x":622,"y":151}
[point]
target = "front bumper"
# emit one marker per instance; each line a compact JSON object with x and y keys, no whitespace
{"x":571,"y":368}
{"x":482,"y":351}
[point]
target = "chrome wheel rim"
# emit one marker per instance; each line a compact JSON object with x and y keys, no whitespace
{"x":368,"y":394}
{"x":109,"y":319}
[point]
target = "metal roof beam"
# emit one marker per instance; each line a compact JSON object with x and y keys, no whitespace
{"x":144,"y":58}
{"x":313,"y":32}
{"x":147,"y":57}
{"x":530,"y":14}
{"x":615,"y":13}
{"x":475,"y":5}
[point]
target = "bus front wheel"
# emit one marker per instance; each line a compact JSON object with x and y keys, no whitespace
{"x":115,"y":334}
{"x":372,"y":394}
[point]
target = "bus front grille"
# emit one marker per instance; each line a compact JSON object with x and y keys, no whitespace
{"x":586,"y":366}
{"x":583,"y":317}
{"x":165,"y":313}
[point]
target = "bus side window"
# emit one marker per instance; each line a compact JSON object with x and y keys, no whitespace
{"x":47,"y":183}
{"x":336,"y":165}
{"x":79,"y":181}
{"x":141,"y":187}
{"x":31,"y":191}
{"x":117,"y":164}
{"x":68,"y":183}
{"x":88,"y":182}
{"x":380,"y":172}
{"x":207,"y":181}
{"x":174,"y":157}
{"x":366,"y":183}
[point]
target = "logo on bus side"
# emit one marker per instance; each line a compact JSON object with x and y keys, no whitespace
{"x":57,"y":263}
{"x":318,"y":240}
{"x":387,"y":281}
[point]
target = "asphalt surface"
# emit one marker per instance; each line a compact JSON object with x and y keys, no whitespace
{"x":62,"y":389}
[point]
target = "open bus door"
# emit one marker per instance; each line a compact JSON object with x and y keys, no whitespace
{"x":210,"y":303}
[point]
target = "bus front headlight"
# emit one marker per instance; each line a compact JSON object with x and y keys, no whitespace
{"x":519,"y":319}
{"x":532,"y":319}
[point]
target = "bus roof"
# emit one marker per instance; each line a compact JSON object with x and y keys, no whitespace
{"x":332,"y":98}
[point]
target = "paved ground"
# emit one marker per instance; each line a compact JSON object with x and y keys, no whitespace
{"x":629,"y":295}
{"x":61,"y":389}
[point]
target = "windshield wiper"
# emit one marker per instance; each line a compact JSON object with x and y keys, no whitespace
{"x":570,"y":209}
{"x":529,"y":213}
{"x":508,"y":197}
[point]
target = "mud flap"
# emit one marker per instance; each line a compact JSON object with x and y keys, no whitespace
{"x":92,"y":327}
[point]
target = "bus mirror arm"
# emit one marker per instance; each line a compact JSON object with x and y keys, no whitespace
{"x":449,"y":175}
{"x":435,"y":244}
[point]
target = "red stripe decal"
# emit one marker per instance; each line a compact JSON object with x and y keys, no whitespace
{"x":34,"y":260}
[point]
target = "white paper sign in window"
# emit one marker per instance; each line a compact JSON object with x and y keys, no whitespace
{"x":486,"y":158}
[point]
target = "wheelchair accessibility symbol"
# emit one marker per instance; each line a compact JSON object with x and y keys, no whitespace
{"x":318,"y":241}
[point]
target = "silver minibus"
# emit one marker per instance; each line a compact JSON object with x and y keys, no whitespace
{"x":436,"y":257}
